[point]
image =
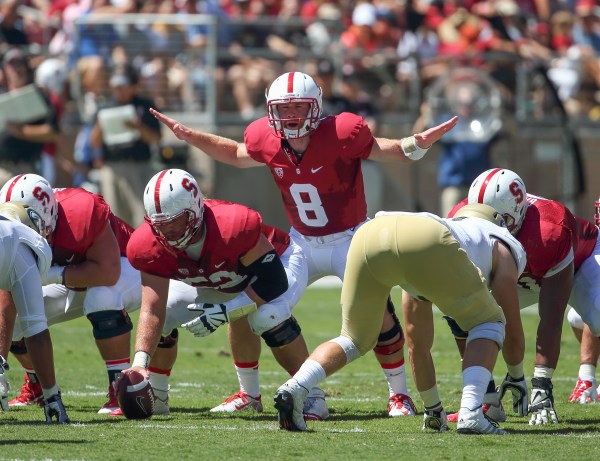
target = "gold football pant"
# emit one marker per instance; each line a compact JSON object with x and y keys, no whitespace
{"x":420,"y":255}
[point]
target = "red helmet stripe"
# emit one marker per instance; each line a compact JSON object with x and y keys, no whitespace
{"x":157,"y":191}
{"x":290,"y":88}
{"x":12,"y":186}
{"x":486,"y":181}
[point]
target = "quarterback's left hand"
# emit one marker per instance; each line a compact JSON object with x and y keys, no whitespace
{"x":211,"y":317}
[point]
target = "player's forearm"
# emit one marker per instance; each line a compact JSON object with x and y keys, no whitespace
{"x":92,"y":274}
{"x":217,"y":147}
{"x":150,"y":324}
{"x":395,"y":150}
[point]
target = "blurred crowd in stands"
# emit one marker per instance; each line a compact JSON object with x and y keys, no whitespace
{"x":372,"y":57}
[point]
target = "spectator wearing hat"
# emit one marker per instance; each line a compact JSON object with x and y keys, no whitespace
{"x":126,"y":165}
{"x":22,"y":140}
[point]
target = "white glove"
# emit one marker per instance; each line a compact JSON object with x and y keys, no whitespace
{"x":519,"y":391}
{"x":55,"y":275}
{"x":4,"y":386}
{"x":211,"y":317}
{"x":542,"y":402}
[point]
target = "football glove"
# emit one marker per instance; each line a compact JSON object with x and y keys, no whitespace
{"x":4,"y":386}
{"x":54,"y":409}
{"x":519,"y":391}
{"x":542,"y":402}
{"x":211,"y":317}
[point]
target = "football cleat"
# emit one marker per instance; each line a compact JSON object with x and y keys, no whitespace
{"x":289,"y":402}
{"x":112,"y":404}
{"x":401,"y":405}
{"x":585,"y":392}
{"x":31,"y":394}
{"x":315,"y":406}
{"x":435,"y":420}
{"x":493,"y":411}
{"x":239,"y":402}
{"x":55,"y":410}
{"x":475,"y":422}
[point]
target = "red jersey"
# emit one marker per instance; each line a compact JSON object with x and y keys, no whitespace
{"x":552,"y":237}
{"x":323,"y":193}
{"x":230,"y":231}
{"x":82,"y":216}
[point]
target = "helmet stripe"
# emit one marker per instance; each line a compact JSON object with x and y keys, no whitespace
{"x":290,"y":88}
{"x":157,"y":191}
{"x":486,"y":182}
{"x":12,"y":186}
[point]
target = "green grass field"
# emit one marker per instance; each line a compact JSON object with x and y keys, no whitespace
{"x":359,"y":427}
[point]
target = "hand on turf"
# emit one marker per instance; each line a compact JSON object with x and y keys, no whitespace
{"x":519,"y":391}
{"x":542,"y":402}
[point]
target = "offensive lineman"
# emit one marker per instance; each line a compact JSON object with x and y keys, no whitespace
{"x":90,"y":275}
{"x":233,"y":266}
{"x":467,"y":266}
{"x":316,"y":163}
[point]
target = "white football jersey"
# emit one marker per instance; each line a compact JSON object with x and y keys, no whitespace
{"x":477,"y":237}
{"x":13,"y":237}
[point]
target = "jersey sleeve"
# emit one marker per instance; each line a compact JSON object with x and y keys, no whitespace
{"x":354,"y":136}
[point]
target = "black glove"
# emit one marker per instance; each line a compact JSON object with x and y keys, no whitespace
{"x":542,"y":402}
{"x":54,"y":408}
{"x":519,"y":391}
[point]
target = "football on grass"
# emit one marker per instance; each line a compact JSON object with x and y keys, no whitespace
{"x":135,"y":396}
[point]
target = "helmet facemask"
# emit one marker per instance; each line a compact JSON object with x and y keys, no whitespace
{"x":192,"y":225}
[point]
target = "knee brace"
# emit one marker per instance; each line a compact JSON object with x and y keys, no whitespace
{"x":109,"y":324}
{"x":18,"y":347}
{"x":283,"y":334}
{"x":493,"y":331}
{"x":396,"y":330}
{"x":170,"y":341}
{"x":457,"y":331}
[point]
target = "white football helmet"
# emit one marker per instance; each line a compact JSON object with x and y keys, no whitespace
{"x":294,"y":87}
{"x":35,"y":191}
{"x":51,"y":75}
{"x":169,"y":194}
{"x":505,"y":191}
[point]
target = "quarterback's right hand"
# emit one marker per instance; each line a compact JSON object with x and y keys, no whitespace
{"x":211,"y":317}
{"x":4,"y":386}
{"x":542,"y":402}
{"x":520,"y":393}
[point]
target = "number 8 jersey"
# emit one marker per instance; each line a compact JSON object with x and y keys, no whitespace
{"x":323,"y":193}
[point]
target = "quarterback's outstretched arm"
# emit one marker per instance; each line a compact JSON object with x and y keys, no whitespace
{"x":402,"y":149}
{"x":217,"y":147}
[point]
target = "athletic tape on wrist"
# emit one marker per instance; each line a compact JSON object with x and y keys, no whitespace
{"x":411,"y":149}
{"x":141,"y":359}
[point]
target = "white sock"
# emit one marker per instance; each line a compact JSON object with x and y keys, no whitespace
{"x":310,"y":374}
{"x":160,"y":381}
{"x":587,"y":371}
{"x":541,"y":371}
{"x":50,"y":392}
{"x":396,"y":378}
{"x":475,"y":383}
{"x":248,"y":377}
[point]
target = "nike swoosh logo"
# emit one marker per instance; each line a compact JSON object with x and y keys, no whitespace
{"x":219,"y":265}
{"x":314,"y":170}
{"x":69,"y":260}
